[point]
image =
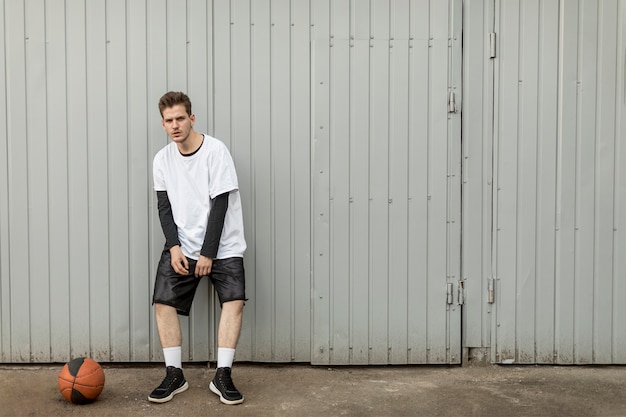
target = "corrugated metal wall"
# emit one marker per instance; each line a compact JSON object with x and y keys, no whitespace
{"x":386,"y":177}
{"x":560,"y":165}
{"x":80,"y":237}
{"x":543,"y":174}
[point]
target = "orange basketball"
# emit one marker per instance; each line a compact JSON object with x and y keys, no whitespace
{"x":81,"y":380}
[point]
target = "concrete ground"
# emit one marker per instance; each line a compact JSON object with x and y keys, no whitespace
{"x":304,"y":390}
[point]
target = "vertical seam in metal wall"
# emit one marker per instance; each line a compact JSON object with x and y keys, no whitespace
{"x":231,"y":46}
{"x":389,"y":139}
{"x":108,"y":157}
{"x":149,"y":234}
{"x":8,"y":290}
{"x":272,"y":183}
{"x":597,"y":177}
{"x":350,"y":250}
{"x":449,"y":172}
{"x":292,"y":191}
{"x":329,"y":197}
{"x":210,"y":124}
{"x":408,"y":194}
{"x":88,"y":231}
{"x":577,"y":170}
{"x":518,"y":153}
{"x":252,"y":159}
{"x":615,"y":177}
{"x":5,"y":204}
{"x":449,"y":168}
{"x":370,"y":296}
{"x":557,"y":188}
{"x":129,"y":174}
{"x":539,"y":108}
{"x":618,"y":99}
{"x":495,"y":192}
{"x":448,"y":191}
{"x":46,"y":121}
{"x":27,"y":185}
{"x":428,"y":179}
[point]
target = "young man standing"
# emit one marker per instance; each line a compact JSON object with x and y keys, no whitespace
{"x":201,"y":217}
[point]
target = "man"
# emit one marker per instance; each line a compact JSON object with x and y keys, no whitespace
{"x":201,"y":217}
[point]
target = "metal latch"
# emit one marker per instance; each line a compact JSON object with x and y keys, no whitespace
{"x":490,"y":291}
{"x":492,"y":45}
{"x":449,"y":296}
{"x":451,"y":102}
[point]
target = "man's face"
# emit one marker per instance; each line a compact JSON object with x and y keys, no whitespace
{"x":177,"y":123}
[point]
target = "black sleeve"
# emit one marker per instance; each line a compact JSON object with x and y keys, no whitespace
{"x":170,"y":230}
{"x":214,"y":228}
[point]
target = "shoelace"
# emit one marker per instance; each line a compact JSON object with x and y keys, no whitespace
{"x":227,"y":382}
{"x":170,"y":378}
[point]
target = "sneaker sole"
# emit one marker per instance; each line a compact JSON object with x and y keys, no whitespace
{"x":169,"y":397}
{"x":214,"y":389}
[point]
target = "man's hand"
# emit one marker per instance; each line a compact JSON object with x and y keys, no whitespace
{"x":203,"y":267}
{"x":179,"y":261}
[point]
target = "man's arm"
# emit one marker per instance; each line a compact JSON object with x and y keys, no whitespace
{"x":215,"y":226}
{"x":170,"y":230}
{"x":213,"y":235}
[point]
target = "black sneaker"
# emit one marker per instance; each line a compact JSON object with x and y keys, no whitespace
{"x":173,"y":384}
{"x":223,"y":386}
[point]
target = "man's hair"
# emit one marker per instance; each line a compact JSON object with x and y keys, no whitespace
{"x":173,"y":98}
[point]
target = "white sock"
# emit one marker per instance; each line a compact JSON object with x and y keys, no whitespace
{"x":173,"y":356}
{"x":225,"y":357}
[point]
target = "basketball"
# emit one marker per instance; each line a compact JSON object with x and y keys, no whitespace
{"x":81,"y":380}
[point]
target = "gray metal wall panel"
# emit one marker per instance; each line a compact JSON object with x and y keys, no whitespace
{"x":75,"y":242}
{"x":17,"y":344}
{"x":261,"y":92}
{"x":565,"y":269}
{"x":558,"y":165}
{"x":300,"y":185}
{"x":241,"y":118}
{"x":385,"y":205}
{"x":38,"y":280}
{"x":156,"y":80}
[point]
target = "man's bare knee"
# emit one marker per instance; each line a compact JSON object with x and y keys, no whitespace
{"x":235,"y":306}
{"x":164,"y":309}
{"x":168,"y":325}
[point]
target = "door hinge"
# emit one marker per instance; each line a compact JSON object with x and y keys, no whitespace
{"x":451,"y":102}
{"x":449,"y":296}
{"x":490,"y":290}
{"x":492,"y":45}
{"x":460,"y":299}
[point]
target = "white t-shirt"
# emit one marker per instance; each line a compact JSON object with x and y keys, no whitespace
{"x":190,"y":196}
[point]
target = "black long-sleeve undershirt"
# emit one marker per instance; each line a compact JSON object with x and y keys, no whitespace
{"x":219,"y":205}
{"x":170,"y":230}
{"x":215,"y":224}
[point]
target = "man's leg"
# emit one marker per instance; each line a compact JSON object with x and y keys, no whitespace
{"x":168,"y":326}
{"x":230,"y":324}
{"x":170,"y":335}
{"x":227,"y":338}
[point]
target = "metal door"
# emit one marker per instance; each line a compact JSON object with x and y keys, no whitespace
{"x":386,"y":182}
{"x":559,"y":134}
